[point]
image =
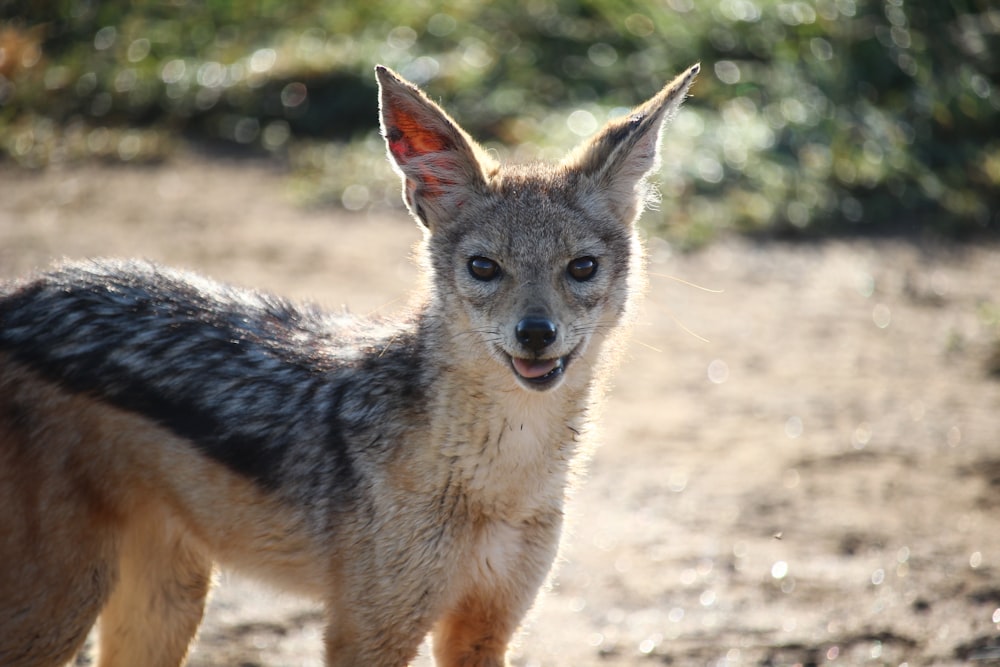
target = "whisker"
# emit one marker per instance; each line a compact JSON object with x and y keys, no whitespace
{"x":590,"y":329}
{"x":387,"y":346}
{"x":387,"y":304}
{"x":473,"y":338}
{"x":647,"y":345}
{"x":686,"y":282}
{"x":685,"y":329}
{"x":491,"y":333}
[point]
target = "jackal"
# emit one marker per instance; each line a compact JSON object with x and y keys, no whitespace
{"x":412,"y":474}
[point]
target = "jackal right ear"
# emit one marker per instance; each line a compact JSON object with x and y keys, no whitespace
{"x":441,"y":166}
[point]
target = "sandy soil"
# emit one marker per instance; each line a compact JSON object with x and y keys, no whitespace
{"x":801,"y":469}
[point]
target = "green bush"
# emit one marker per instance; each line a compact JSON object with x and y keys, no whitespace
{"x":811,"y":116}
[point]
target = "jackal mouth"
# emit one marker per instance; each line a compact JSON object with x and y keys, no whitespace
{"x":539,"y":373}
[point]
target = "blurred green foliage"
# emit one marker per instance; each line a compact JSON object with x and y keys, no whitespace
{"x":811,"y":116}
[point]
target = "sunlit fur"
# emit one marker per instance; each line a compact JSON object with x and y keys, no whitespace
{"x":154,"y":424}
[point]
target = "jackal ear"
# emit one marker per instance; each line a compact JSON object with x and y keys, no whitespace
{"x":614,"y":165}
{"x":441,"y":166}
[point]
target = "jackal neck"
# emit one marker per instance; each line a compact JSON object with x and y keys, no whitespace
{"x":510,"y":449}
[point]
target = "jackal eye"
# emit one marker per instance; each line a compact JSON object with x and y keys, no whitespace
{"x":484,"y":268}
{"x":582,"y":269}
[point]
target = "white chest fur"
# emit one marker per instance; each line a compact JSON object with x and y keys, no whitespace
{"x":496,"y":551}
{"x":515,"y":458}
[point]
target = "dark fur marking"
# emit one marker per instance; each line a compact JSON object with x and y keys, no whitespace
{"x":622,"y":132}
{"x":186,"y":355}
{"x":394,"y":134}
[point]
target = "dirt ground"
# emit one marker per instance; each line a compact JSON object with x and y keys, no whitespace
{"x":799,"y":468}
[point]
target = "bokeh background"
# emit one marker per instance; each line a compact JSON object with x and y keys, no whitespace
{"x":811,"y":117}
{"x":798,"y":466}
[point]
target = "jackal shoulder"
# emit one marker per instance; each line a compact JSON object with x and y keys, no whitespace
{"x":251,"y":379}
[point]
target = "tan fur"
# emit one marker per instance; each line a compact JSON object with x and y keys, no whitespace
{"x":410,"y":475}
{"x":109,"y":515}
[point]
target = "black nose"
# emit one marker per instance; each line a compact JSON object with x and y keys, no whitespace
{"x":535,"y":333}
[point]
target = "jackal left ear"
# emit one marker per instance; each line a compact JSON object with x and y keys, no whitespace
{"x":441,"y":166}
{"x":615,"y":163}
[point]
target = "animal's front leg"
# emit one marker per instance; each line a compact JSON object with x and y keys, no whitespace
{"x":382,"y":603}
{"x":507,"y":571}
{"x":475,"y":634}
{"x":376,"y":631}
{"x":157,"y":605}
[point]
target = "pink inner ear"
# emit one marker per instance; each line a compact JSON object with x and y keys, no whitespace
{"x":407,"y":138}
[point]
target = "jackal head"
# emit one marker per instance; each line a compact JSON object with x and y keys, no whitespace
{"x":529,"y":261}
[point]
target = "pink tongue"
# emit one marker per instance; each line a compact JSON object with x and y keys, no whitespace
{"x":534,"y":369}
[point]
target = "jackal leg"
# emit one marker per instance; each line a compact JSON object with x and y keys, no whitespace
{"x":387,"y":639}
{"x":476,"y":632}
{"x":157,"y":605}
